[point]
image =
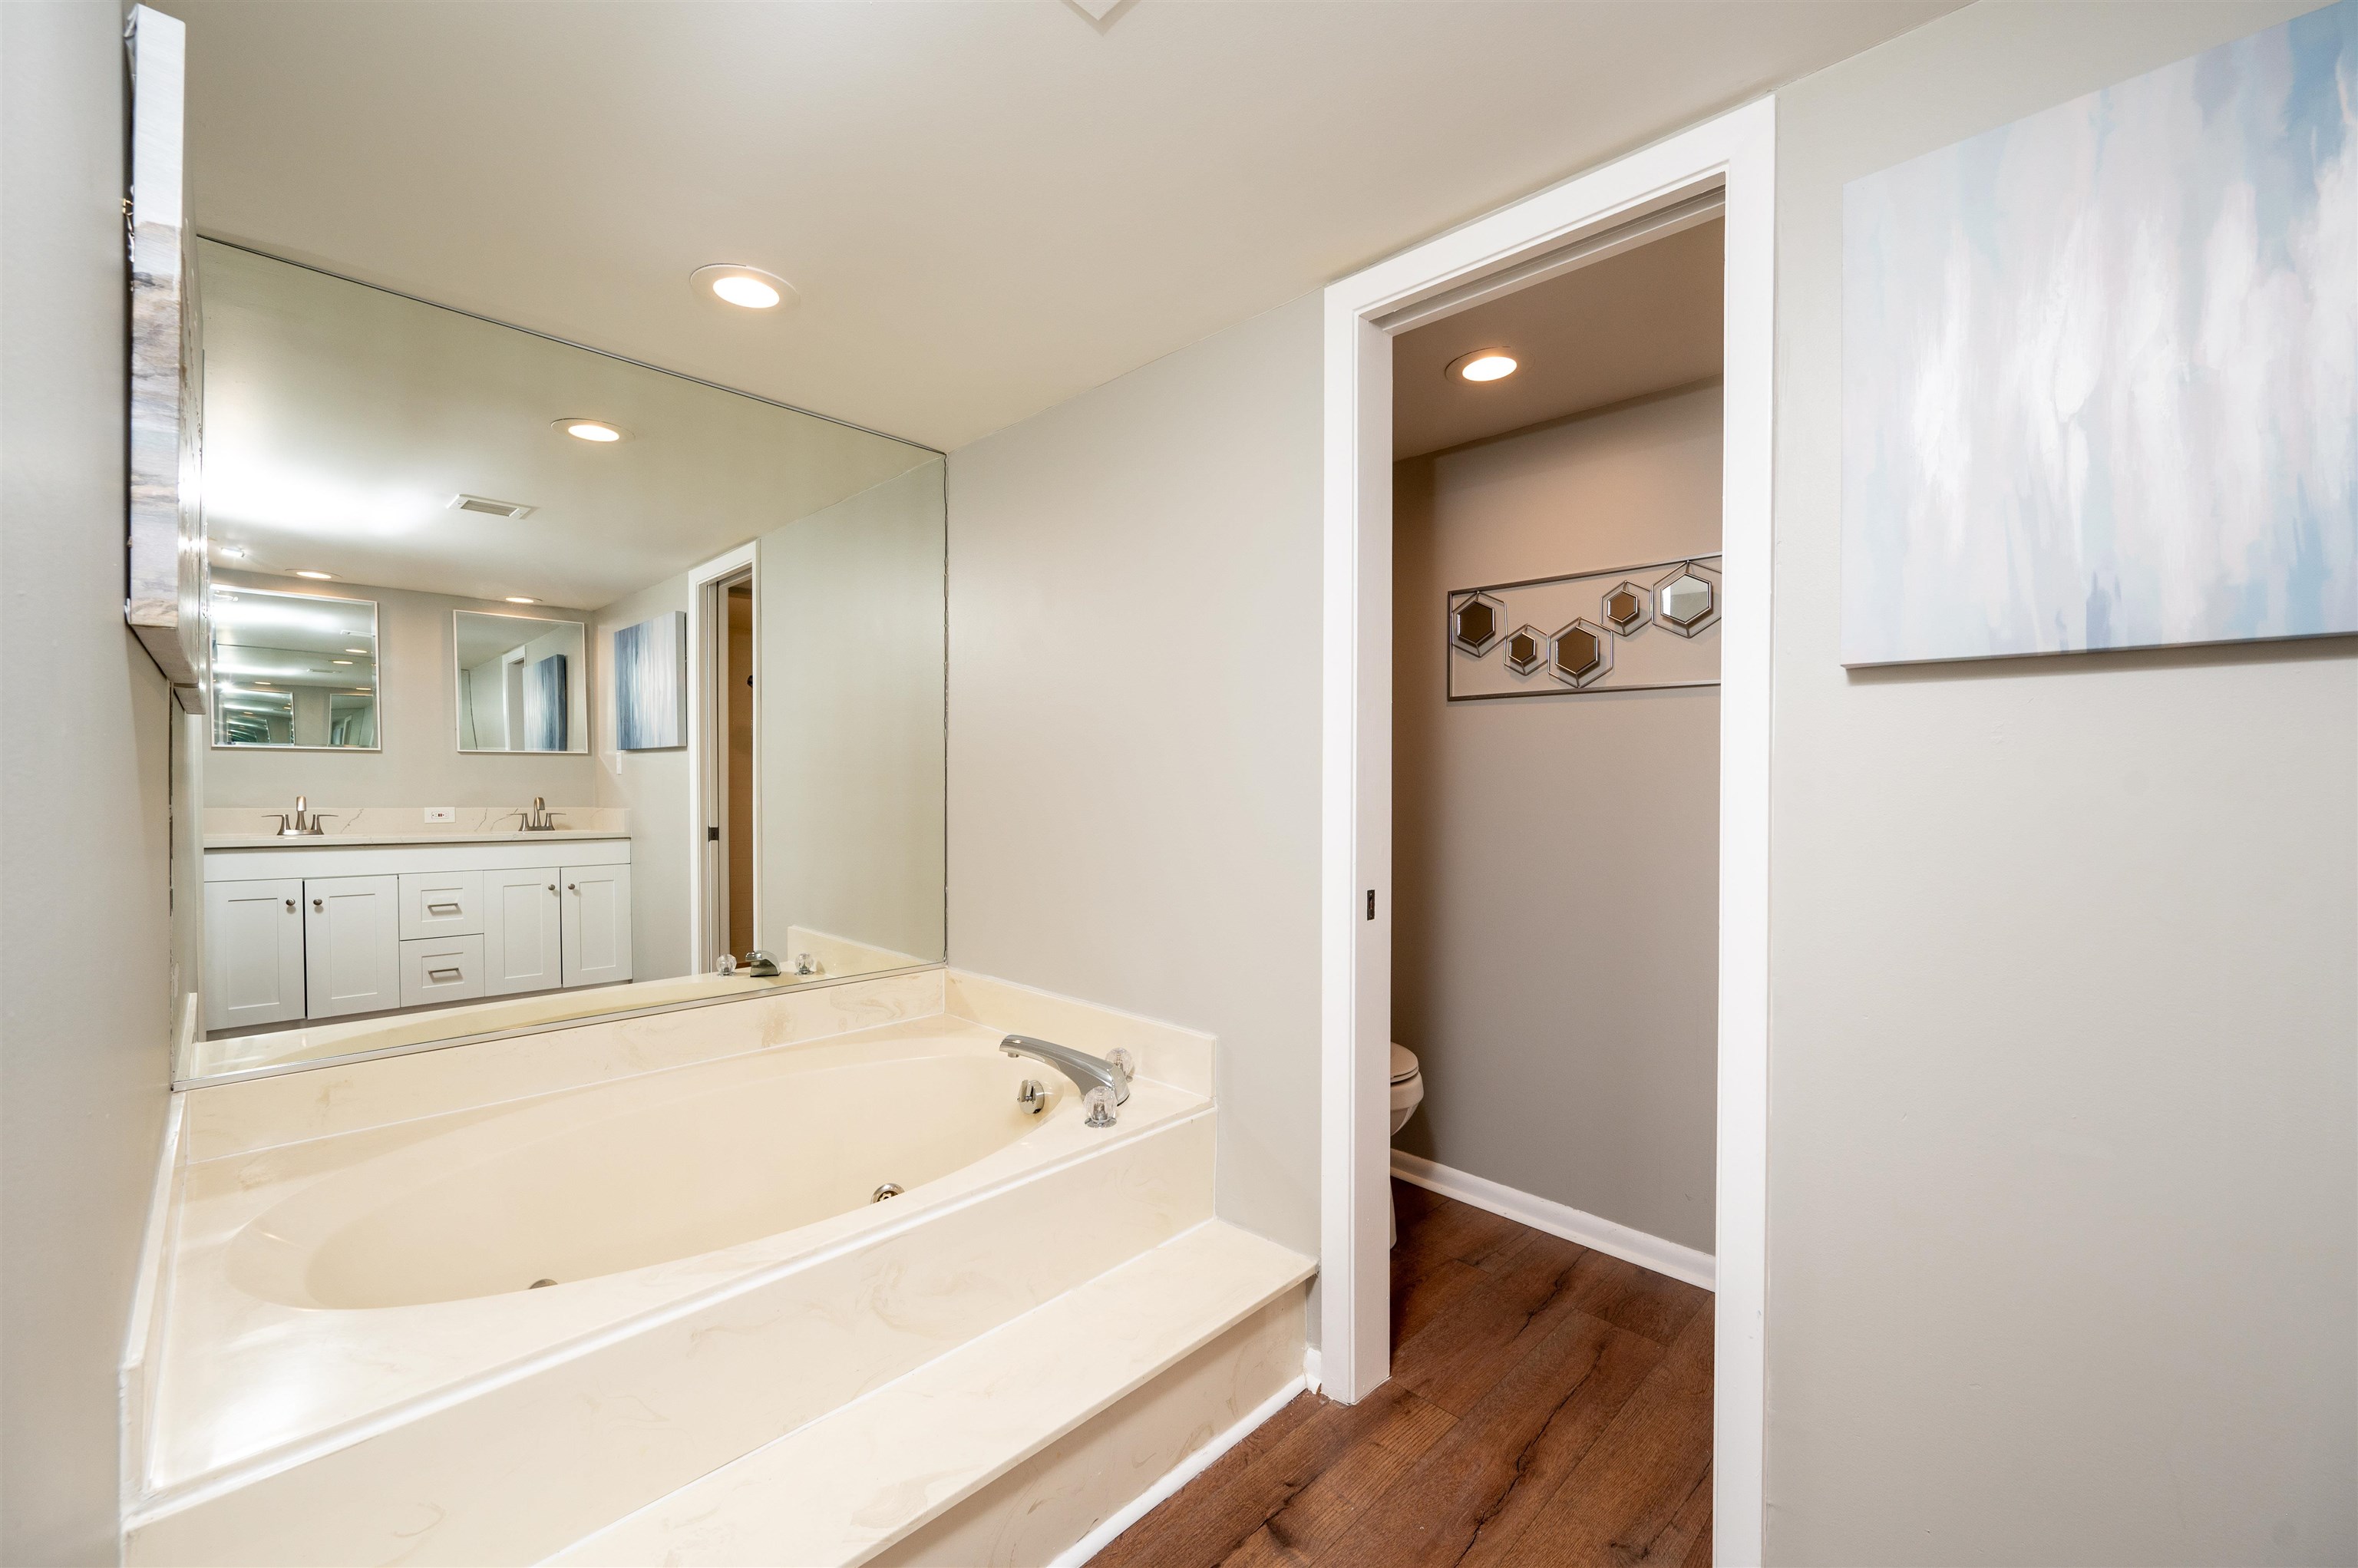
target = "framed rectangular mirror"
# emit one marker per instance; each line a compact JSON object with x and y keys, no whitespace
{"x":297,"y":671}
{"x":523,"y":682}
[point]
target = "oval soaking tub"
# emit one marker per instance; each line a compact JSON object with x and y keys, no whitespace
{"x":599,"y":1183}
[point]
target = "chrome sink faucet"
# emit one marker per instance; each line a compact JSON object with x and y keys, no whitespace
{"x":304,"y":824}
{"x":539,"y":819}
{"x":1104,"y":1084}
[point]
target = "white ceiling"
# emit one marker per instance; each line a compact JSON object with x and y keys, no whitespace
{"x":1645,"y":320}
{"x":987,"y":206}
{"x":342,"y":421}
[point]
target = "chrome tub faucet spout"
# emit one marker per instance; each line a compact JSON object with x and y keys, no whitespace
{"x":1104,"y":1084}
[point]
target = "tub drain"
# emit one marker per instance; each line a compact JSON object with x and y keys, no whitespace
{"x":538,"y":1283}
{"x":889,"y":1190}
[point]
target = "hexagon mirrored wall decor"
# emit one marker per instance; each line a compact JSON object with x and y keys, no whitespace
{"x":1474,"y":621}
{"x":1636,"y":628}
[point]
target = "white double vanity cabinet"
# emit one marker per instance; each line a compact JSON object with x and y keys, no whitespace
{"x":299,"y":930}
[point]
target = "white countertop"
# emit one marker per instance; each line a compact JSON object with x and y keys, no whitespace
{"x":370,"y":841}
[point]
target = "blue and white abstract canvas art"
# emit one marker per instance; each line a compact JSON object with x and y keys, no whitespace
{"x":546,"y":705}
{"x":2098,"y":367}
{"x":651,"y":682}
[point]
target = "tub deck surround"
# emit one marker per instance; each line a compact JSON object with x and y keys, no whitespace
{"x":253,"y":1114}
{"x":344,"y":1369}
{"x":849,"y":1487}
{"x":282,"y":1048}
{"x":1165,"y":1052}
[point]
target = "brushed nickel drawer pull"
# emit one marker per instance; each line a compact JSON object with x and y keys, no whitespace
{"x":445,"y":974}
{"x":442,"y":908}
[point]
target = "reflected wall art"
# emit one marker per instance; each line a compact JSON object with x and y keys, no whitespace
{"x":2098,"y":367}
{"x":651,"y":682}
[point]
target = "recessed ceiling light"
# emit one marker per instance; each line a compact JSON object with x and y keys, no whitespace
{"x":355,"y":650}
{"x":318,"y":577}
{"x":340,"y":661}
{"x":596,"y":430}
{"x":519,"y":599}
{"x":743,"y":287}
{"x":1482,"y":364}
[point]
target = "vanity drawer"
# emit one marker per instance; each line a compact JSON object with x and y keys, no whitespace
{"x":441,"y":903}
{"x":441,"y":969}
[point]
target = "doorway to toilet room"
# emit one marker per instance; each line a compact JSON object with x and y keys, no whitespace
{"x":1555,"y":748}
{"x":1511,"y":641}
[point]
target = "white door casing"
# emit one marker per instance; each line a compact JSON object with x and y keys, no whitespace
{"x":1736,"y":155}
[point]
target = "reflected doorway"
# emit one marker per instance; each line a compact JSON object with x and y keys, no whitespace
{"x":721,"y":678}
{"x":737,"y":821}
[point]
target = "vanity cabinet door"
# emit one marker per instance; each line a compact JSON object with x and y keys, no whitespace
{"x":351,"y":945}
{"x":522,"y":951}
{"x":597,"y":924}
{"x":253,"y":953}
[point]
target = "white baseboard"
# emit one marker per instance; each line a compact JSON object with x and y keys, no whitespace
{"x":1310,"y":1377}
{"x":1178,"y":1476}
{"x":1560,"y":1219}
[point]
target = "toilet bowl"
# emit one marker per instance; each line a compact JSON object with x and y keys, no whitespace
{"x":1408,"y":1085}
{"x":1407,"y":1093}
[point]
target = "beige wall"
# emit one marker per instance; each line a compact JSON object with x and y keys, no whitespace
{"x":2063,"y":1189}
{"x":418,"y":725}
{"x":85,"y":1004}
{"x":653,"y":786}
{"x":852,"y":735}
{"x":1134,"y":612}
{"x":1572,"y":1058}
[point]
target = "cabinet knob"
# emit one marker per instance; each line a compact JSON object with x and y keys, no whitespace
{"x":552,"y":887}
{"x":572,"y":887}
{"x":290,"y":906}
{"x":320,"y":904}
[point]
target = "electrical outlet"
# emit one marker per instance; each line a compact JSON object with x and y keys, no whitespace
{"x":441,"y":814}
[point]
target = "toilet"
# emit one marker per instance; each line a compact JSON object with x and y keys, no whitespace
{"x":1407,"y":1093}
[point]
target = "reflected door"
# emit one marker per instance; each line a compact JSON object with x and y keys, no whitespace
{"x":597,"y":931}
{"x":351,"y":945}
{"x":253,"y":953}
{"x":521,"y":950}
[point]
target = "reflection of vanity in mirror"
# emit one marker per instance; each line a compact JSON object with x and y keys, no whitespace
{"x":505,"y":614}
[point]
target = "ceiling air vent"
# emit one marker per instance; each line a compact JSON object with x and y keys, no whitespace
{"x":490,"y":508}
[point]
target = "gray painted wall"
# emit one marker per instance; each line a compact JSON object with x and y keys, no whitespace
{"x":1572,"y":1058}
{"x":1134,"y":610}
{"x":2063,"y":1150}
{"x":852,"y":669}
{"x":418,"y":725}
{"x":85,"y":742}
{"x":653,"y":786}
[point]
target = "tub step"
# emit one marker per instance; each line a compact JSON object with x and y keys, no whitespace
{"x":848,"y":1485}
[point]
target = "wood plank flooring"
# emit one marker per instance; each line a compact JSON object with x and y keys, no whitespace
{"x":1548,"y":1406}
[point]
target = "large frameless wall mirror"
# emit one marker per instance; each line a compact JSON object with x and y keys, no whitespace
{"x":603,"y":688}
{"x":523,"y":682}
{"x":293,"y":670}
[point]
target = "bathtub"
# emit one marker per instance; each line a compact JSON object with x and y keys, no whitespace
{"x":359,"y":1344}
{"x":639,"y":1176}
